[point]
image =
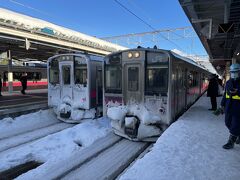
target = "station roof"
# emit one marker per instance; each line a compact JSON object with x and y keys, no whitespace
{"x":217,"y":24}
{"x":34,"y":38}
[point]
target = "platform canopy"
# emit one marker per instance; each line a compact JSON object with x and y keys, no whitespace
{"x":28,"y":37}
{"x":217,"y":24}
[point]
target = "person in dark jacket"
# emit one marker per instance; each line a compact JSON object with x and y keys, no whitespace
{"x":231,"y":105}
{"x":0,"y":85}
{"x":212,"y":91}
{"x":23,"y":80}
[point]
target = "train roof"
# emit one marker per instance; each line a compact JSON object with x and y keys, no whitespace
{"x":190,"y":61}
{"x":87,"y":56}
{"x":171,"y":53}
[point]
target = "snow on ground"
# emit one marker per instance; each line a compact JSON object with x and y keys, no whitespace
{"x":191,"y":148}
{"x":51,"y":148}
{"x":12,"y":126}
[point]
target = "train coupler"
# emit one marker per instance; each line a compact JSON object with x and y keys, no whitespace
{"x":131,"y":126}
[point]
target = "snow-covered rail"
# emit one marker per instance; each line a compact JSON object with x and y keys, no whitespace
{"x":106,"y":158}
{"x":26,"y":129}
{"x":110,"y":163}
{"x":32,"y":135}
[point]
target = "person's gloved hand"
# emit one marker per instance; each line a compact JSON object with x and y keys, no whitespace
{"x":233,"y":91}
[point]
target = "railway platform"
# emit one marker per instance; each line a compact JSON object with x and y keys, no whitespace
{"x":15,"y":104}
{"x":191,"y":148}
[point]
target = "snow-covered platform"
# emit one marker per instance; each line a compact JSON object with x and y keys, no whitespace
{"x":191,"y":148}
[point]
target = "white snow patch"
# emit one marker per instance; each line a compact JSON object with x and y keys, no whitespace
{"x":117,"y":113}
{"x":191,"y":148}
{"x":24,"y":123}
{"x":53,"y":147}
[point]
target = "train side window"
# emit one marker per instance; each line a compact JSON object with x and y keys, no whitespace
{"x":133,"y":78}
{"x":80,"y":70}
{"x":156,"y":80}
{"x":66,"y":72}
{"x":54,"y":72}
{"x":81,"y":74}
{"x":113,"y":79}
{"x":190,"y":79}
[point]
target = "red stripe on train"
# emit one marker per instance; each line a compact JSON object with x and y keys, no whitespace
{"x":93,"y":94}
{"x":29,"y":83}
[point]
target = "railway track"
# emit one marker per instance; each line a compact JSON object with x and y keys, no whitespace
{"x":105,"y":159}
{"x":30,"y":136}
{"x":24,"y":131}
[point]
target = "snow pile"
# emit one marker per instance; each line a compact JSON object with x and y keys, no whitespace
{"x":77,"y":113}
{"x":56,"y":147}
{"x":147,"y":117}
{"x":24,"y":123}
{"x":191,"y":148}
{"x":117,"y":113}
{"x":64,"y":108}
{"x":124,"y":117}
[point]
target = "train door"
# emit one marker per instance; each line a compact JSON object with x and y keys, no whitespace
{"x":99,"y":86}
{"x":66,"y":79}
{"x":181,"y":90}
{"x":133,"y":90}
{"x":176,"y":93}
{"x":185,"y":87}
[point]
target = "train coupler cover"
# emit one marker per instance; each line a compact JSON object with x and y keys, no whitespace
{"x":131,"y":126}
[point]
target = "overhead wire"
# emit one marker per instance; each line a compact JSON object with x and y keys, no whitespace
{"x":29,"y":7}
{"x":143,"y":11}
{"x":147,"y":24}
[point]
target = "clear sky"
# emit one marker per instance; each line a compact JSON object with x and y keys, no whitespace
{"x":104,"y":18}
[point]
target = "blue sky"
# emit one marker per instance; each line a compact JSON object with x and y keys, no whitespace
{"x":104,"y":18}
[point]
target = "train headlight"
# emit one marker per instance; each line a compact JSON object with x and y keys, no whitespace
{"x":136,"y":54}
{"x":130,"y":55}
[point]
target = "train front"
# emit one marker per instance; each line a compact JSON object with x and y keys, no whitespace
{"x":68,"y":88}
{"x":136,"y":93}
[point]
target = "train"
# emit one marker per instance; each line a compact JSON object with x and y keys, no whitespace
{"x":36,"y":76}
{"x":142,"y":90}
{"x":75,"y":89}
{"x":147,"y":89}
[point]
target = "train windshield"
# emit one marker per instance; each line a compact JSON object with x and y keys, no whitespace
{"x":133,"y":78}
{"x":54,"y":72}
{"x":113,"y":79}
{"x":80,"y":71}
{"x":66,"y":73}
{"x":156,"y":80}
